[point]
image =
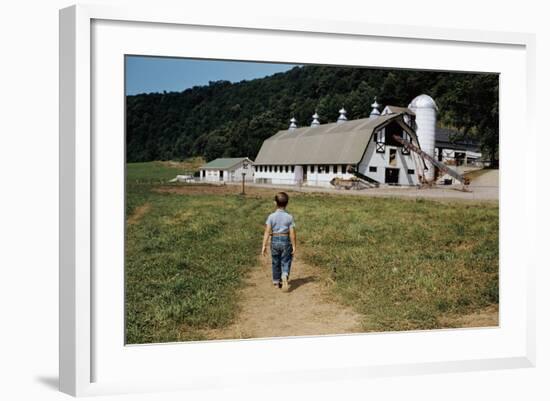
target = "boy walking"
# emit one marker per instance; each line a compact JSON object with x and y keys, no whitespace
{"x":280,"y":226}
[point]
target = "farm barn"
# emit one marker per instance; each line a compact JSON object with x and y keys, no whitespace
{"x":227,"y":170}
{"x":395,"y":146}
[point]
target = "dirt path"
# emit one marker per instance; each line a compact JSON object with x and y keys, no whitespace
{"x":306,"y":309}
{"x":139,"y":212}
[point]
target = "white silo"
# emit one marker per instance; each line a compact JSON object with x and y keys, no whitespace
{"x":426,"y":116}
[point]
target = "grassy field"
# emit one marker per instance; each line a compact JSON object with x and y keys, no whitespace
{"x":161,"y":171}
{"x":402,"y":264}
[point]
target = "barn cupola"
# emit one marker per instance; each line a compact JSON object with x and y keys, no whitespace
{"x":342,"y":117}
{"x":375,"y":112}
{"x":315,"y":122}
{"x":292,"y":125}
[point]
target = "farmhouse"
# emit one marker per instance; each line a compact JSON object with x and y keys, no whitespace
{"x":375,"y":148}
{"x":227,"y":170}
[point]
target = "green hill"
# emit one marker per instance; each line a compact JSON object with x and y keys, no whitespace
{"x":232,"y":119}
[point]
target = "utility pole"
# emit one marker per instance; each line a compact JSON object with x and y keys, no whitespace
{"x":245,"y":167}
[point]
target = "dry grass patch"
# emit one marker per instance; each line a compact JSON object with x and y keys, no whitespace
{"x":138,"y":213}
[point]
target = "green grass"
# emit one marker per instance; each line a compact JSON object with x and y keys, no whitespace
{"x":160,"y":172}
{"x":402,"y":264}
{"x":184,"y":261}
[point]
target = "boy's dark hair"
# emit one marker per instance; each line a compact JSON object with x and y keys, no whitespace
{"x":281,"y":199}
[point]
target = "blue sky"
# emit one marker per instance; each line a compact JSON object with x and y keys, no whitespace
{"x":157,"y":74}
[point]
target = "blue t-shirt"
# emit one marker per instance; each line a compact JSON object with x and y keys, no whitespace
{"x":280,"y":221}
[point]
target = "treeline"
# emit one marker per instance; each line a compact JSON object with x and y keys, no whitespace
{"x":226,"y":119}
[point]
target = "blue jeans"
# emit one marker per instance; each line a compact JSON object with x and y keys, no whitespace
{"x":281,"y":257}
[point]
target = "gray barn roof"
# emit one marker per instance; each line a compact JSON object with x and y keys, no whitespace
{"x":223,"y":163}
{"x":331,"y":143}
{"x":445,"y":138}
{"x":397,"y":109}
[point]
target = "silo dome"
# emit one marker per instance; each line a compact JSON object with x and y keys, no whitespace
{"x":423,"y":102}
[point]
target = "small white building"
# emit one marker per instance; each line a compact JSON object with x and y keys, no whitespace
{"x":227,"y":170}
{"x":452,"y":149}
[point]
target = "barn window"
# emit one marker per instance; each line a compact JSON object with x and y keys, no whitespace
{"x":312,"y":168}
{"x":335,"y":168}
{"x":410,"y":171}
{"x":270,"y":169}
{"x":393,"y":159}
{"x":319,"y":169}
{"x":380,"y":136}
{"x":292,"y":169}
{"x":393,"y":130}
{"x":344,"y":168}
{"x":380,"y":147}
{"x":286,"y":169}
{"x":372,"y":169}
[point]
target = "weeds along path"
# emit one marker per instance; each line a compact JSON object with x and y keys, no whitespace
{"x":307,"y":309}
{"x":139,"y":212}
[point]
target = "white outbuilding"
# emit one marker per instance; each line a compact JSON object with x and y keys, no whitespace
{"x":227,"y":170}
{"x":452,"y":148}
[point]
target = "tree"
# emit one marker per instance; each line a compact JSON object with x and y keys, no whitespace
{"x":233,"y":119}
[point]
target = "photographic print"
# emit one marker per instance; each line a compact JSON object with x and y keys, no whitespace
{"x":273,"y":200}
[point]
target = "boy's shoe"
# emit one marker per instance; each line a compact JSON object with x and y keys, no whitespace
{"x":285,"y":285}
{"x":277,"y":284}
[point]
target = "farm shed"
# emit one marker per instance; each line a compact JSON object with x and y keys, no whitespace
{"x":227,"y":170}
{"x":452,"y":148}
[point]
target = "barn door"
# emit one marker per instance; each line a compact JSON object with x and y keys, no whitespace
{"x":392,"y":176}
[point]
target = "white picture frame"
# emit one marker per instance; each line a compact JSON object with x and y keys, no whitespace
{"x":92,"y":353}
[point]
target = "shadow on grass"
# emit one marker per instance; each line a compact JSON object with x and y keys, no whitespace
{"x":294,"y":284}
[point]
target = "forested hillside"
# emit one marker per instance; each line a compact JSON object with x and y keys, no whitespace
{"x":232,"y":119}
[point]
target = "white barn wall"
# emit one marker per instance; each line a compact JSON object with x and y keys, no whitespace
{"x":381,"y":161}
{"x":314,"y":179}
{"x":273,"y":177}
{"x":236,"y":175}
{"x":233,"y":174}
{"x":210,"y":175}
{"x":448,"y":155}
{"x":323,"y":179}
